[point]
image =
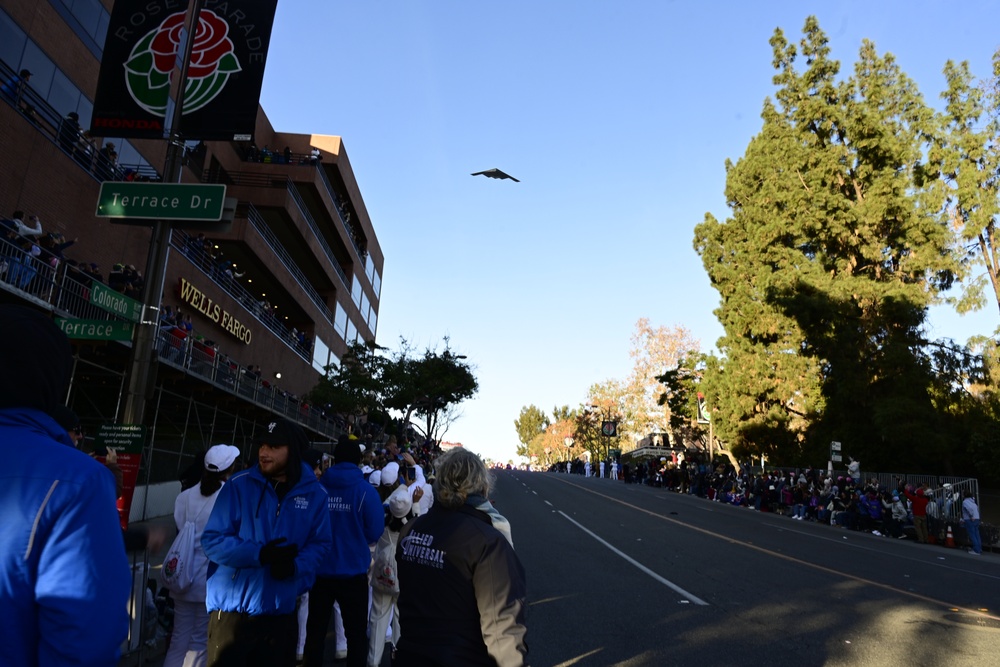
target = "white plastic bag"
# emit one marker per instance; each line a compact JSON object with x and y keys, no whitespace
{"x":384,"y":572}
{"x":177,"y":573}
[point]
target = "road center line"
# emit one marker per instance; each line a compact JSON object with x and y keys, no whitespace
{"x":790,"y":559}
{"x":669,"y":584}
{"x":854,"y":544}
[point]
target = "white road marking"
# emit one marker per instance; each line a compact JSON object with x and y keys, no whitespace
{"x":535,"y":492}
{"x":669,"y":584}
{"x":548,"y":503}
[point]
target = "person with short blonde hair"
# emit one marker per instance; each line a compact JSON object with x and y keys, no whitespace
{"x":460,"y":474}
{"x":462,"y":588}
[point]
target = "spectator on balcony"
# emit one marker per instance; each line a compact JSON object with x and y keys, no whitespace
{"x":69,"y":133}
{"x":133,"y":281}
{"x":172,"y":342}
{"x":92,"y":271}
{"x":16,"y":86}
{"x":203,"y":355}
{"x":55,"y":244}
{"x":116,"y":279}
{"x":230,"y":272}
{"x":287,"y":153}
{"x":87,"y":150}
{"x":315,"y":155}
{"x":17,"y":225}
{"x":166,"y":315}
{"x":107,"y":162}
{"x":194,"y":245}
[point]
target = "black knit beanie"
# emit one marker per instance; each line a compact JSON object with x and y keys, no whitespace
{"x":36,"y":360}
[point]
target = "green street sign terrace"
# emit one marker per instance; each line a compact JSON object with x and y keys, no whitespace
{"x":161,"y":201}
{"x":95,"y":329}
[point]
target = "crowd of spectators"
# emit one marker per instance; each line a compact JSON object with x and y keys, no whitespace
{"x":399,"y":469}
{"x":268,"y":155}
{"x":87,"y":150}
{"x":206,"y":254}
{"x":846,"y":501}
{"x":30,"y":259}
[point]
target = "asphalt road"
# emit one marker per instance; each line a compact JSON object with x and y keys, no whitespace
{"x":623,"y":575}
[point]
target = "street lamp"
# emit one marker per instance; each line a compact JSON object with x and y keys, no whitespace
{"x":609,"y":428}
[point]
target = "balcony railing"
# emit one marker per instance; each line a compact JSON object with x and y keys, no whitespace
{"x":258,"y":180}
{"x":336,"y":205}
{"x":267,"y":156}
{"x":199,"y":258}
{"x":50,"y":123}
{"x":304,"y":210}
{"x":257,"y":221}
{"x":209,"y":363}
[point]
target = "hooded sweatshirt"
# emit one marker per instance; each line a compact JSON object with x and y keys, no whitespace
{"x":356,"y":518}
{"x":248,"y":514}
{"x":62,"y":561}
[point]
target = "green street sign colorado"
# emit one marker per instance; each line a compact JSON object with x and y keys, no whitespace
{"x":161,"y":201}
{"x":115,"y":303}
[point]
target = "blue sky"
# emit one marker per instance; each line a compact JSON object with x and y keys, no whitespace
{"x":617,"y":116}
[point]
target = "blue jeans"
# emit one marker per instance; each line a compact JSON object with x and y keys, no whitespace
{"x":972,"y":528}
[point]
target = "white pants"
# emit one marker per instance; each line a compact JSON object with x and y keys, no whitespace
{"x":338,"y":627}
{"x":189,"y":641}
{"x":303,"y":616}
{"x":382,"y":616}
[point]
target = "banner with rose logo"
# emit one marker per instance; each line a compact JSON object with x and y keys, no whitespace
{"x":143,"y":51}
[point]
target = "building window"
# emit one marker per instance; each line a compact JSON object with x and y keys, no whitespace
{"x":42,"y":72}
{"x":321,"y":356}
{"x":377,"y":284}
{"x":88,"y":13}
{"x":63,"y":95}
{"x":356,"y":293}
{"x":88,"y":19}
{"x":340,"y":321}
{"x":12,"y":41}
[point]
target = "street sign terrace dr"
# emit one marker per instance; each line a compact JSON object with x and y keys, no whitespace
{"x":161,"y":201}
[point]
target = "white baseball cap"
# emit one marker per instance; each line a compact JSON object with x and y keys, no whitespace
{"x":220,"y":457}
{"x":400,"y":503}
{"x":390,"y":473}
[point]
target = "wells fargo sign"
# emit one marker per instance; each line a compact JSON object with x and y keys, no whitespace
{"x":201,"y":302}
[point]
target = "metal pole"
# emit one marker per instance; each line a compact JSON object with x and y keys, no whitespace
{"x":142,"y":377}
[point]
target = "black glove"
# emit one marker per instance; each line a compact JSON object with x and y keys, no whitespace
{"x":272,"y":553}
{"x":283,"y":569}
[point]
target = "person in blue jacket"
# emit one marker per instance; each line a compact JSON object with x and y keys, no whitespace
{"x":357,"y":520}
{"x":267,"y":535}
{"x":64,"y":576}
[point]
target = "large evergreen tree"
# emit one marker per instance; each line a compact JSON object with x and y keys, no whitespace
{"x":835,"y":247}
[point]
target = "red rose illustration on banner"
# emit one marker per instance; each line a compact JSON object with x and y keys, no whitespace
{"x":213,"y":60}
{"x":166,"y":42}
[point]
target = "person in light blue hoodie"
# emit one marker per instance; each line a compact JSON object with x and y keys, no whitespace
{"x":64,"y":577}
{"x":267,"y":535}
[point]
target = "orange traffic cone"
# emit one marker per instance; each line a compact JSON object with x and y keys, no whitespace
{"x":949,"y":540}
